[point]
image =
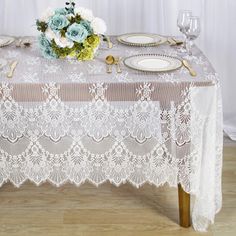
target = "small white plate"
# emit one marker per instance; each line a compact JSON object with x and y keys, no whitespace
{"x":3,"y":63}
{"x":141,"y":39}
{"x":6,"y":40}
{"x":153,"y":63}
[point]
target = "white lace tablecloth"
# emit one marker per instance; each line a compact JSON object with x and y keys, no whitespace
{"x":65,"y":121}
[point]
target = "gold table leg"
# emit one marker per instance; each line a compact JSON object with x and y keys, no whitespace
{"x":184,"y":208}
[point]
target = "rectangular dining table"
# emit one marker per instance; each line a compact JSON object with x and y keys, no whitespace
{"x":66,"y":120}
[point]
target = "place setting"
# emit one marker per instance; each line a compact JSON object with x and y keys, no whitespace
{"x":154,"y":63}
{"x":188,"y":25}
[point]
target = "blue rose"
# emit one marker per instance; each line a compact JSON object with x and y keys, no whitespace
{"x":58,"y":22}
{"x":49,"y":53}
{"x":77,"y":32}
{"x":87,"y":26}
{"x":61,"y":11}
{"x":46,"y":47}
{"x":43,"y":42}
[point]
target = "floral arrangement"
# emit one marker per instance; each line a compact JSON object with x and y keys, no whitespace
{"x":70,"y":32}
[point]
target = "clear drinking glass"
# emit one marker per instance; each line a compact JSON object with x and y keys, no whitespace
{"x":192,"y":32}
{"x":183,"y":21}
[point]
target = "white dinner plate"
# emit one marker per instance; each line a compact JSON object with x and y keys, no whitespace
{"x":153,"y":63}
{"x":6,"y":40}
{"x":141,"y":39}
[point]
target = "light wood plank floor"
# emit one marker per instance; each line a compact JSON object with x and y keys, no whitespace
{"x":107,"y":210}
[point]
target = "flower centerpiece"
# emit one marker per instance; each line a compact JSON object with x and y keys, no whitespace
{"x":70,"y":32}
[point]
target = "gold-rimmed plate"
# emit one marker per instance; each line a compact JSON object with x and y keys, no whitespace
{"x":141,"y":39}
{"x":153,"y":63}
{"x":6,"y":40}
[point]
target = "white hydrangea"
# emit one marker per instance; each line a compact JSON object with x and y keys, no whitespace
{"x":47,"y":14}
{"x":98,"y":25}
{"x":86,"y":14}
{"x":63,"y":42}
{"x":50,"y":34}
{"x":60,"y":41}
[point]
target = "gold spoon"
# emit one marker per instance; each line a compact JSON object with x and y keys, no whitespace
{"x":109,"y":61}
{"x":117,"y":63}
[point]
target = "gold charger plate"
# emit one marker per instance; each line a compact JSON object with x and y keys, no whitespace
{"x":141,"y":39}
{"x":153,"y":63}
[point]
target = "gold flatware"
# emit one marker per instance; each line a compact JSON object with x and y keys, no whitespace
{"x":174,"y":42}
{"x":117,"y":63}
{"x":109,"y":61}
{"x":171,"y":42}
{"x":177,"y":42}
{"x":109,"y":43}
{"x":186,"y":64}
{"x":12,"y":69}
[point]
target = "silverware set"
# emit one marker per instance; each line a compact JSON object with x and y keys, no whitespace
{"x":110,"y":61}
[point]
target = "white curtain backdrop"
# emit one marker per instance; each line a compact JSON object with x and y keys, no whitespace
{"x":217,"y":40}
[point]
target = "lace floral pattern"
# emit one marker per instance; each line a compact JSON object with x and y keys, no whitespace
{"x":99,"y":119}
{"x":119,"y":128}
{"x":169,"y":129}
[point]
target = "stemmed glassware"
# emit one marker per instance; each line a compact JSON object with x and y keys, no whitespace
{"x":183,"y":22}
{"x":192,"y":32}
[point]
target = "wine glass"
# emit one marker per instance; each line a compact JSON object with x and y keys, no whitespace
{"x":192,"y":32}
{"x":183,"y":21}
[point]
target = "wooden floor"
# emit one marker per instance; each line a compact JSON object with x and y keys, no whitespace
{"x":107,"y":210}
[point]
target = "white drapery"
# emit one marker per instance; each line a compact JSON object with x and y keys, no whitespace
{"x":217,"y":39}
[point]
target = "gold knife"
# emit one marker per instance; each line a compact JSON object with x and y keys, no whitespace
{"x":109,"y":43}
{"x":171,"y":42}
{"x":186,"y":64}
{"x":12,"y":69}
{"x":177,"y":42}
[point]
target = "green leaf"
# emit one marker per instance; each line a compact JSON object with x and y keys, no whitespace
{"x":41,"y":26}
